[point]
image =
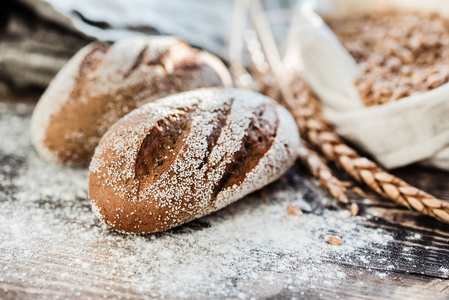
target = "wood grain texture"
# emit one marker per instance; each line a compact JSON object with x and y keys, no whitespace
{"x":60,"y":262}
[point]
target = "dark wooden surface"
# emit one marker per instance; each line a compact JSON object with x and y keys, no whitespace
{"x":414,"y":265}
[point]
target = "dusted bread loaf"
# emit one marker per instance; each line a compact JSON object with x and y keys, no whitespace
{"x":188,"y":155}
{"x":102,"y":83}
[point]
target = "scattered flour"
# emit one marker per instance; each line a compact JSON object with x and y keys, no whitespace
{"x":444,"y":271}
{"x":51,"y":239}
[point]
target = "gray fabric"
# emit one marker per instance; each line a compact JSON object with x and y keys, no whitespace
{"x":33,"y":49}
{"x":39,"y":36}
{"x":202,"y":23}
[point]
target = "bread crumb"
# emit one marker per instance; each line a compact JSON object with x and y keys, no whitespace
{"x":294,"y":211}
{"x":354,"y":209}
{"x":334,"y":240}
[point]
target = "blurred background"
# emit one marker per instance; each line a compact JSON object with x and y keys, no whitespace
{"x":38,"y":36}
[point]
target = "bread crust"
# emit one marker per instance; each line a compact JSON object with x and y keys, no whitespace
{"x":102,"y":83}
{"x":188,"y":155}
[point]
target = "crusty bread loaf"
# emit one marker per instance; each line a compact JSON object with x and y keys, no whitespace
{"x":102,"y":83}
{"x":188,"y":155}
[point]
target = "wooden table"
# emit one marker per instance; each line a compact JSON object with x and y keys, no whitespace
{"x":51,"y":245}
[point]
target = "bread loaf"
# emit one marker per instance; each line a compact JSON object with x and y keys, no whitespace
{"x":102,"y":83}
{"x":188,"y":155}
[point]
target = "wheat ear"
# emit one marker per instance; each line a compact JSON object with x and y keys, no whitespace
{"x":313,"y":127}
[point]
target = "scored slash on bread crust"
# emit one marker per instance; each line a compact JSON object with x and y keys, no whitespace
{"x":102,"y":83}
{"x":188,"y":155}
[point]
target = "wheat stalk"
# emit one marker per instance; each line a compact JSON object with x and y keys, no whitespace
{"x":320,"y":135}
{"x":259,"y":79}
{"x":308,"y":157}
{"x":320,"y":170}
{"x":306,"y":110}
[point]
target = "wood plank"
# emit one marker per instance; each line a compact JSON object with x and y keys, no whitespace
{"x":420,"y":246}
{"x":52,"y":246}
{"x":357,"y":284}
